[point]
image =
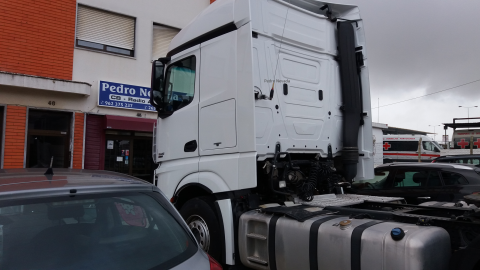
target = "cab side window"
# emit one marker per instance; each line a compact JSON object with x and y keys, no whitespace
{"x":451,"y":179}
{"x":428,"y":146}
{"x":180,"y":83}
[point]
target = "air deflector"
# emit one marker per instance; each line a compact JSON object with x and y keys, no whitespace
{"x":351,"y":97}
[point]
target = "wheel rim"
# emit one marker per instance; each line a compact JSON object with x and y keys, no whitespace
{"x":199,"y":228}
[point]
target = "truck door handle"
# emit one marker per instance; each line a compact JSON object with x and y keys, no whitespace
{"x":217,"y":144}
{"x":190,"y":146}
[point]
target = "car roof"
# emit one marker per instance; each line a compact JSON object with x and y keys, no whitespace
{"x":32,"y":182}
{"x":459,"y":156}
{"x":429,"y":165}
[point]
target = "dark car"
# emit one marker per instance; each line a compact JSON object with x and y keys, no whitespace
{"x":463,"y":159}
{"x":80,"y":219}
{"x":420,"y":182}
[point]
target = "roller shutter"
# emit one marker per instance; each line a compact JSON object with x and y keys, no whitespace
{"x":161,"y":40}
{"x":95,"y":142}
{"x":105,"y":28}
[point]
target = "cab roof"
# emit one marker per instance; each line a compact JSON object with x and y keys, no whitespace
{"x":236,"y":13}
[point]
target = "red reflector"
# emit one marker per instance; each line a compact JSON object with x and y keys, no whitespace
{"x":214,"y":265}
{"x":433,"y":161}
{"x":172,"y":200}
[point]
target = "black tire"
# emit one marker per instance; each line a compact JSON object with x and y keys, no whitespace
{"x":204,"y":208}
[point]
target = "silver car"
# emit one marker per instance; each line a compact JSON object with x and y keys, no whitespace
{"x":80,"y":219}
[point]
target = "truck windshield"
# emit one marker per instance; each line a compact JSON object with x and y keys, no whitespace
{"x":111,"y":231}
{"x":179,"y":84}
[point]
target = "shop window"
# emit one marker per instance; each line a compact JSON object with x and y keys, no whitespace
{"x":48,"y":137}
{"x":130,"y":153}
{"x":105,"y":31}
{"x":2,"y":135}
{"x":162,"y":36}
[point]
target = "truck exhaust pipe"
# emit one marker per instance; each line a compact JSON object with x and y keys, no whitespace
{"x":351,"y":97}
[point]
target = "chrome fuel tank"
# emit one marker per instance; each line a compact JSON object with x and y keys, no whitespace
{"x":337,"y":242}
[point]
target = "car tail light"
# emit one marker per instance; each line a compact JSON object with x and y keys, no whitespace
{"x":214,"y":265}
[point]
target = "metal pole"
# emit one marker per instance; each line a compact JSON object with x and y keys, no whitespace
{"x":378,"y":106}
{"x":445,"y":138}
{"x":471,"y":145}
{"x":420,"y":150}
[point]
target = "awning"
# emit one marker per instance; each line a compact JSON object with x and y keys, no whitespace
{"x":44,"y":83}
{"x":129,"y":123}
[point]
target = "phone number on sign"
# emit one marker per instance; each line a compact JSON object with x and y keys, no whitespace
{"x":117,"y":104}
{"x":126,"y":105}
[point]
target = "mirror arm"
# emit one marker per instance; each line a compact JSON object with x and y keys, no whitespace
{"x":164,"y":60}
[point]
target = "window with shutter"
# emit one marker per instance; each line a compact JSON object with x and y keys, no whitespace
{"x":161,"y":40}
{"x":105,"y":31}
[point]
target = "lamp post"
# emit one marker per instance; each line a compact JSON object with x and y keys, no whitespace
{"x":434,"y":130}
{"x":468,"y":111}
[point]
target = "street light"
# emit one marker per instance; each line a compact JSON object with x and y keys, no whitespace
{"x":468,"y":111}
{"x":434,"y":130}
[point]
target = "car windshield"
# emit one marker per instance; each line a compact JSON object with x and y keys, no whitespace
{"x":114,"y":231}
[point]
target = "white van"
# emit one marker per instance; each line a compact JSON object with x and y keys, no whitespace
{"x":404,"y":148}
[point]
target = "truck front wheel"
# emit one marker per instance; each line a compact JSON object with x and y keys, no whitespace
{"x":199,"y":214}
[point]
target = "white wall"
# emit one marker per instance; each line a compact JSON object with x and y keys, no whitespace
{"x":91,"y":66}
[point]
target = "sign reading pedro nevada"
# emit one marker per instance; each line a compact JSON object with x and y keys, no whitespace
{"x":119,"y":95}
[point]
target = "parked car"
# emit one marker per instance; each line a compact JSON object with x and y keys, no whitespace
{"x":80,"y":219}
{"x":420,"y":182}
{"x":464,"y":159}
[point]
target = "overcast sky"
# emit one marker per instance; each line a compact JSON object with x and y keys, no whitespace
{"x":419,"y":47}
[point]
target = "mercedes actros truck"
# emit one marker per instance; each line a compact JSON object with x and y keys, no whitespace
{"x":264,"y":121}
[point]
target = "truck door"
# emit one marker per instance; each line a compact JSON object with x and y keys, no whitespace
{"x":217,"y":111}
{"x":178,"y":133}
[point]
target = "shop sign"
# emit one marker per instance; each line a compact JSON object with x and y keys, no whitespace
{"x":125,"y":96}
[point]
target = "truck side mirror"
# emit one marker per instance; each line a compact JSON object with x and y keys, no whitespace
{"x":157,"y":84}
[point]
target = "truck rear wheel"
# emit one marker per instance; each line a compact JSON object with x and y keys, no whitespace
{"x":199,"y":214}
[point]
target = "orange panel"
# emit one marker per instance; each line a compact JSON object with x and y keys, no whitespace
{"x":16,"y":121}
{"x":78,"y":140}
{"x":37,"y":37}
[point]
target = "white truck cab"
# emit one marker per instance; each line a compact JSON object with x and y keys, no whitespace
{"x":266,"y":100}
{"x":264,"y":122}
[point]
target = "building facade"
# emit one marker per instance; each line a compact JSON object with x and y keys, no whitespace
{"x":74,"y":81}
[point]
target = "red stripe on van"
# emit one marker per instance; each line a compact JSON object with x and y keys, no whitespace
{"x":402,"y":154}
